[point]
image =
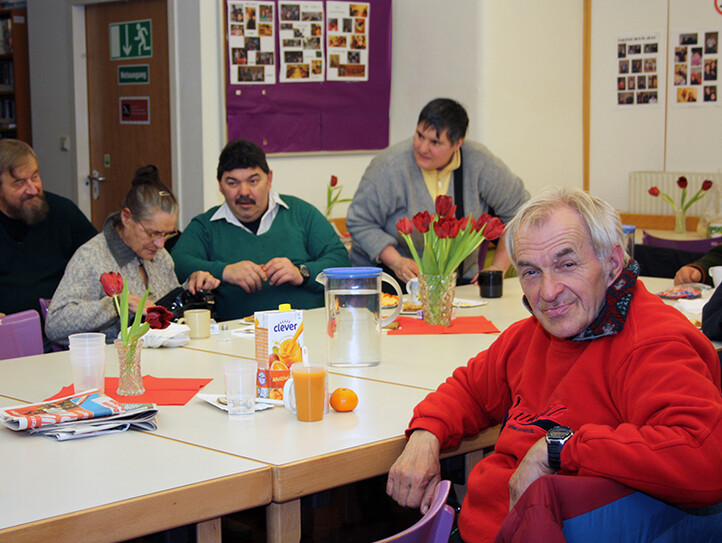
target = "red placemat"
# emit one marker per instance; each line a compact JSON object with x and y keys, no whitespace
{"x":158,"y":390}
{"x":460,"y":325}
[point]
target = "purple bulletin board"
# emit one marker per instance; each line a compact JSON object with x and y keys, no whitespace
{"x":318,"y":116}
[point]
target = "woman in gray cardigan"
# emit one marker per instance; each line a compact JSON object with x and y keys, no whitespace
{"x":131,"y":243}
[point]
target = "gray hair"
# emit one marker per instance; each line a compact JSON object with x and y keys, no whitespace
{"x":600,"y":218}
{"x":14,"y":154}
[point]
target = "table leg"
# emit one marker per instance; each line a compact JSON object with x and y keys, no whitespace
{"x":209,"y":531}
{"x":283,"y":522}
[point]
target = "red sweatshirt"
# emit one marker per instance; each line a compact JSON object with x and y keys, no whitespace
{"x":644,"y":404}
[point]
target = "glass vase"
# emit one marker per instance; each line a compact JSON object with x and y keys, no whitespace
{"x":437,"y":297}
{"x":680,"y":226}
{"x":130,"y":381}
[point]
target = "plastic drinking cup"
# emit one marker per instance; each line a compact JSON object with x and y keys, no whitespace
{"x":87,"y":361}
{"x":306,"y":393}
{"x":240,"y":377}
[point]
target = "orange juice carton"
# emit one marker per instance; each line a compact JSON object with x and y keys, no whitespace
{"x":279,"y":338}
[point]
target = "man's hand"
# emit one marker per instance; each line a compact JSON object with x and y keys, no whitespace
{"x":246,"y":274}
{"x":281,"y":270}
{"x":535,"y":464}
{"x":415,"y":474}
{"x":403,"y":268}
{"x":202,"y":280}
{"x":687,"y":274}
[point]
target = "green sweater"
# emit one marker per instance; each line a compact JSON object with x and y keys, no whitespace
{"x":300,"y":233}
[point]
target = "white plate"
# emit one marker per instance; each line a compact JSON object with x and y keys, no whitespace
{"x":463,"y":302}
{"x":261,"y":405}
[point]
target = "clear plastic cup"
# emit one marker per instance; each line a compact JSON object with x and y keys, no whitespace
{"x":87,"y":361}
{"x":240,"y":376}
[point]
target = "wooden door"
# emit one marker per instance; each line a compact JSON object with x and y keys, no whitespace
{"x":129,"y":124}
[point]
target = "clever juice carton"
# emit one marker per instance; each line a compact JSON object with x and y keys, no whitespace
{"x":279,"y":338}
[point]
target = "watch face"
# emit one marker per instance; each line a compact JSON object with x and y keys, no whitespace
{"x":559,"y":432}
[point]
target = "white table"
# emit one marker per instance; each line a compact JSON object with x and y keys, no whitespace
{"x":118,"y":486}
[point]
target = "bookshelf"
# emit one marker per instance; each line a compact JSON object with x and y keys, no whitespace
{"x":14,"y":76}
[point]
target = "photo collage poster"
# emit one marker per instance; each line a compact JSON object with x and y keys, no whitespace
{"x":637,"y":65}
{"x":318,"y":41}
{"x":348,"y":36}
{"x":251,"y":42}
{"x":694,"y":76}
{"x":301,"y":35}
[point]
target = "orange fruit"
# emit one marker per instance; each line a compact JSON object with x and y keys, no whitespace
{"x":278,"y":365}
{"x":343,"y":399}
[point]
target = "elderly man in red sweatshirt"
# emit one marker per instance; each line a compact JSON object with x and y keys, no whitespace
{"x":604,"y":382}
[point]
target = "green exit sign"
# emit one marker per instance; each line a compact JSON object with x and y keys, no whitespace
{"x":138,"y":74}
{"x":131,"y":39}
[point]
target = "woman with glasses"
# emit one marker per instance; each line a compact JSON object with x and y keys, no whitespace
{"x":132,"y":244}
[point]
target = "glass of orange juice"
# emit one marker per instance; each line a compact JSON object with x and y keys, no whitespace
{"x":305,"y":392}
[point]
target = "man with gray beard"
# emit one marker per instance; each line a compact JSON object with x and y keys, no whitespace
{"x":39,"y":231}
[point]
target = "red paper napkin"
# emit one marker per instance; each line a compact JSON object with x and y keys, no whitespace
{"x":158,"y":390}
{"x":460,"y":325}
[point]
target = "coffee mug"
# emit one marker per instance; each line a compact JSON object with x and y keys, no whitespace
{"x":199,"y":321}
{"x":305,"y":394}
{"x":491,"y":283}
{"x":412,"y":288}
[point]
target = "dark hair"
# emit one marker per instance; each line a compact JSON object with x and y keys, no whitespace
{"x":445,"y":114}
{"x":148,"y":194}
{"x":241,"y":154}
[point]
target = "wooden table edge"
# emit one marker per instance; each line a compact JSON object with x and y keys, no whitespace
{"x":151,"y":513}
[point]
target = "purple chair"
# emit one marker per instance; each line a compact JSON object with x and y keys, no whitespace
{"x":697,"y":245}
{"x":20,"y":335}
{"x":434,"y":526}
{"x":44,"y":303}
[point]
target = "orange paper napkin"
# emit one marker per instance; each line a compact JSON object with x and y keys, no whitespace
{"x":460,"y":325}
{"x":158,"y":390}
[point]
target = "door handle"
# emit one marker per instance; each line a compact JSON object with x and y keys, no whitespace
{"x":95,"y":179}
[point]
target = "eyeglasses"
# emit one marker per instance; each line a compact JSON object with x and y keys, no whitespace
{"x":157,"y":235}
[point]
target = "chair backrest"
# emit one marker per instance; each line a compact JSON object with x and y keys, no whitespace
{"x":698,"y":245}
{"x":434,"y":526}
{"x":44,"y":304}
{"x":20,"y":335}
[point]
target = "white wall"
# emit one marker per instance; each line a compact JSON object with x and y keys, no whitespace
{"x":626,"y":140}
{"x":515,"y":66}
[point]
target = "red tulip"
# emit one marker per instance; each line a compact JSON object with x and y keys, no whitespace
{"x":441,"y":228}
{"x":405,"y":226}
{"x":334,"y":180}
{"x":454,"y":226}
{"x":422,"y":221}
{"x":158,"y":317}
{"x":682,"y":182}
{"x":112,"y":283}
{"x":707,"y":184}
{"x":494,"y":229}
{"x":654,"y":191}
{"x":445,"y":206}
{"x":483,"y":219}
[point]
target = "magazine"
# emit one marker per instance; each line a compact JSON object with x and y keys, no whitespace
{"x":83,"y":414}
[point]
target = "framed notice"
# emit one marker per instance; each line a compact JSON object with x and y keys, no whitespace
{"x":309,"y":76}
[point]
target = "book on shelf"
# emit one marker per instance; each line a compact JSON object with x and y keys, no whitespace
{"x":83,"y":414}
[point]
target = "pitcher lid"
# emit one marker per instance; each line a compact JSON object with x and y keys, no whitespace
{"x":352,"y":273}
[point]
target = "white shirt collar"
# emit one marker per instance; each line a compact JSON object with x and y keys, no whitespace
{"x":274,"y":200}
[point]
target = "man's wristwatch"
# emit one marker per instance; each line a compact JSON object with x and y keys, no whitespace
{"x":305,"y":273}
{"x":556,"y":438}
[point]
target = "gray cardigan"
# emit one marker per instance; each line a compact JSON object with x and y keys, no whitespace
{"x":393,"y":187}
{"x":80,"y":303}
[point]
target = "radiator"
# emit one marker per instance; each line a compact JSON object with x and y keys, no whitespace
{"x":640,"y":201}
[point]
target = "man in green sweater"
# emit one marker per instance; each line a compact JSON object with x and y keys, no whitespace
{"x":267,"y":248}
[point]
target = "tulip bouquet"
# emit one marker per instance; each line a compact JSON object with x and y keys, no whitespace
{"x":684,"y":204}
{"x":333,"y":195}
{"x":447,"y":240}
{"x":130,"y":382}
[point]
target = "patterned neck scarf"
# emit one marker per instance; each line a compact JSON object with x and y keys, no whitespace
{"x":611,"y":317}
